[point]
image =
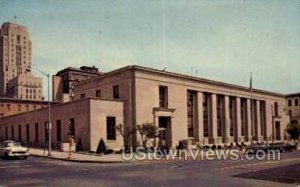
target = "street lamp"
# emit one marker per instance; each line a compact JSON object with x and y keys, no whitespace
{"x":49,"y":117}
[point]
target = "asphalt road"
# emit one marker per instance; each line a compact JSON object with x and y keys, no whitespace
{"x":46,"y":172}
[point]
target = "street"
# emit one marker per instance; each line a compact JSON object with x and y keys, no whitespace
{"x":38,"y":171}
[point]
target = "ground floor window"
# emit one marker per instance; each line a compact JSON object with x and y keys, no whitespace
{"x":111,"y":128}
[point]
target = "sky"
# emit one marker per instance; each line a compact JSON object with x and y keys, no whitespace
{"x":222,"y":40}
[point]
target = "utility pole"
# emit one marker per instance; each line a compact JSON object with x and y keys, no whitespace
{"x":49,"y":114}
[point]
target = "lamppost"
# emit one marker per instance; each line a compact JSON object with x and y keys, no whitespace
{"x":49,"y":116}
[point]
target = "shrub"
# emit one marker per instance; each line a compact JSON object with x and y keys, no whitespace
{"x":213,"y":147}
{"x":101,"y":147}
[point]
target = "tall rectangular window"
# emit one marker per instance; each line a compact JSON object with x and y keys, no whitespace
{"x":296,"y":102}
{"x":27,"y":133}
{"x":116,"y":94}
{"x":46,"y":131}
{"x":20,"y":133}
{"x":290,"y":102}
{"x":191,"y":97}
{"x":231,"y":114}
{"x":263,"y":118}
{"x":6,"y":133}
{"x":82,"y":96}
{"x":276,"y":109}
{"x":58,"y":130}
{"x":163,"y":96}
{"x":36,"y":132}
{"x":98,"y":93}
{"x":243,"y":116}
{"x":206,"y":113}
{"x":220,"y":114}
{"x":111,"y":128}
{"x":12,"y":132}
{"x":72,"y":127}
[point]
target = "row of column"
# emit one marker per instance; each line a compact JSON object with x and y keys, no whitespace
{"x":236,"y":120}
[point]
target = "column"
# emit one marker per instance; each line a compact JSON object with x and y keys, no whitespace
{"x":248,"y":130}
{"x":238,"y":124}
{"x":213,"y":125}
{"x":258,"y":122}
{"x":200,"y":117}
{"x":226,"y":138}
{"x":156,"y":124}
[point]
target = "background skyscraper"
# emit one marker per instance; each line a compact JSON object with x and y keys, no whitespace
{"x":16,"y":80}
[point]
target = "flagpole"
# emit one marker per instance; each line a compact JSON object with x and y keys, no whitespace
{"x":251,"y":108}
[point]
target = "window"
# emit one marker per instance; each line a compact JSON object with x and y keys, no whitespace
{"x":98,"y":93}
{"x":19,"y":108}
{"x":20,"y":133}
{"x":46,"y":131}
{"x":191,"y":95}
{"x":116,"y":94}
{"x":8,"y":107}
{"x":276,"y":108}
{"x":111,"y":128}
{"x":6,"y":133}
{"x":36,"y":132}
{"x":296,"y":102}
{"x":206,"y":109}
{"x":290,"y":113}
{"x":72,"y":127}
{"x":27,"y":107}
{"x":58,"y":130}
{"x":27,"y":133}
{"x":12,"y":133}
{"x":82,"y":96}
{"x":290,"y":102}
{"x":163,"y":96}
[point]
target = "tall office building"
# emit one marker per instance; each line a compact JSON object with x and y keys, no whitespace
{"x":16,"y":80}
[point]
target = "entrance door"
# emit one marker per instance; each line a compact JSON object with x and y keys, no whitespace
{"x":164,"y":131}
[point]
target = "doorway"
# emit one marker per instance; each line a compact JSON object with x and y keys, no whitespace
{"x":164,"y":127}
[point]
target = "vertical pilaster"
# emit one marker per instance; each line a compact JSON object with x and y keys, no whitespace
{"x":200,"y":117}
{"x":213,"y":125}
{"x":227,"y":121}
{"x":249,"y":121}
{"x":238,"y":124}
{"x":258,"y":122}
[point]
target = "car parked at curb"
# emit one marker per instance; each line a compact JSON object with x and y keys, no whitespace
{"x":10,"y":148}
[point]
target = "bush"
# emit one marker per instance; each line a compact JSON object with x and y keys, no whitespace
{"x":180,"y":145}
{"x":213,"y":147}
{"x":108,"y":151}
{"x":79,"y":146}
{"x":101,"y":147}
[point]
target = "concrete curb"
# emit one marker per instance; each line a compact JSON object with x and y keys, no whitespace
{"x":82,"y":161}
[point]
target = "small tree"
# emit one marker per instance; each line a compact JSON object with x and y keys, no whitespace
{"x":293,"y":129}
{"x":101,"y":147}
{"x":125,"y":132}
{"x":147,"y":131}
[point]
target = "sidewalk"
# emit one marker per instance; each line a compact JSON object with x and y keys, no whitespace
{"x":79,"y":157}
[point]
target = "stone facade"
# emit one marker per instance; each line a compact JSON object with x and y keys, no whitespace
{"x":213,"y":113}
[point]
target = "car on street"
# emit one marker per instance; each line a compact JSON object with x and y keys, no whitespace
{"x":11,"y":148}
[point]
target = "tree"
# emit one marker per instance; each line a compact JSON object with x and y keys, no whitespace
{"x":125,"y":132}
{"x":79,"y":145}
{"x":101,"y":147}
{"x":147,"y":131}
{"x":293,"y":129}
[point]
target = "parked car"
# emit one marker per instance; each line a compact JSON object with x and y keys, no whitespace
{"x":10,"y":148}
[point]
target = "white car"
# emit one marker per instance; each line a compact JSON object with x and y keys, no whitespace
{"x":10,"y":148}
